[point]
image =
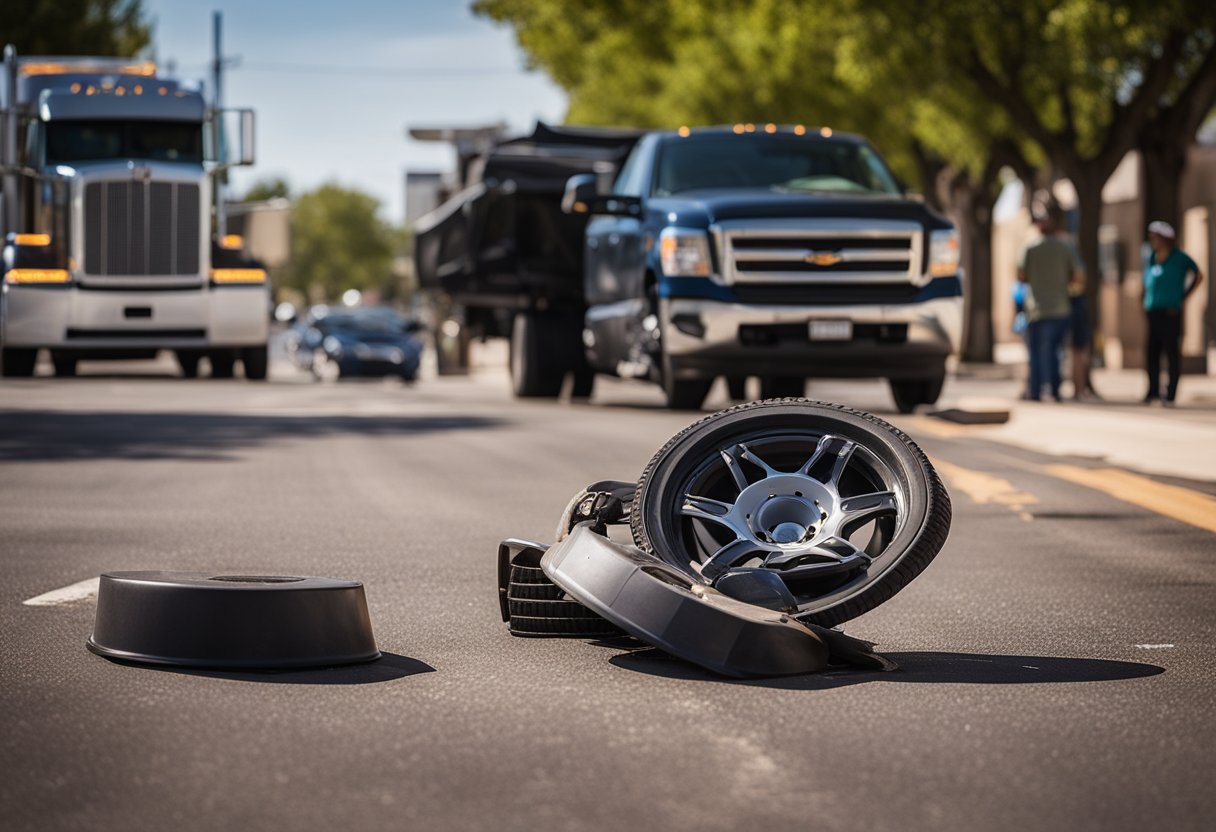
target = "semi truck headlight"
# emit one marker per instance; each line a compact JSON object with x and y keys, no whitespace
{"x":684,"y":253}
{"x":37,"y":276}
{"x":943,"y":253}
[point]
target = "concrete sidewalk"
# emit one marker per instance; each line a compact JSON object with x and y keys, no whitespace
{"x":1171,"y":442}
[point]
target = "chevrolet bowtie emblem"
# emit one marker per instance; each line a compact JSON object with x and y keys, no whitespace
{"x":823,"y":258}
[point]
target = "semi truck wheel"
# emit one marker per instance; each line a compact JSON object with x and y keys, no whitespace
{"x":222,"y":364}
{"x":909,"y":395}
{"x":65,"y":366}
{"x":842,"y":506}
{"x":188,"y":362}
{"x":256,"y":361}
{"x":537,"y":366}
{"x":782,"y":387}
{"x":16,"y":362}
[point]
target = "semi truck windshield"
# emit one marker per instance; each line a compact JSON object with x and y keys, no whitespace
{"x":166,"y":141}
{"x":767,"y":161}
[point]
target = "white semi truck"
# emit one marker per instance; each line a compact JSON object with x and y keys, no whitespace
{"x":113,"y":244}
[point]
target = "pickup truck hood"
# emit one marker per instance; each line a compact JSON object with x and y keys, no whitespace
{"x":707,"y":207}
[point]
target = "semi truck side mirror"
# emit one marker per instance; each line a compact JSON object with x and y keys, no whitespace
{"x":231,"y":138}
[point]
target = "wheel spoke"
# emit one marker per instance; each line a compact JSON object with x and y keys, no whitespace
{"x":821,"y":448}
{"x":843,"y":455}
{"x":864,"y":507}
{"x":732,"y":553}
{"x":830,"y":549}
{"x":750,"y":455}
{"x":732,"y":465}
{"x":713,"y":511}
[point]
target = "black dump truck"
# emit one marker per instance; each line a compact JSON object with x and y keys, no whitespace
{"x":505,"y":255}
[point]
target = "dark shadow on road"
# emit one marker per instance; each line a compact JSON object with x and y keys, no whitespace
{"x":389,"y":667}
{"x":59,"y":436}
{"x":923,"y":668}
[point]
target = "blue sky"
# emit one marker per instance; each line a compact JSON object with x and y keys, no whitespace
{"x":349,"y":125}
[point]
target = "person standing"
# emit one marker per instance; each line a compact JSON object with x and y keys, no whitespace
{"x":1048,"y":267}
{"x":1169,"y":278}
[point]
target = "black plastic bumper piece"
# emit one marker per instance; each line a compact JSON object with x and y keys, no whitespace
{"x":200,"y":620}
{"x":672,"y":611}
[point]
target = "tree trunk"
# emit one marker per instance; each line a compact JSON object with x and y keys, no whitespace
{"x":977,"y":345}
{"x":1163,"y":163}
{"x":1089,"y":204}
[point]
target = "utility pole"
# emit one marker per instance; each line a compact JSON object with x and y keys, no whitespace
{"x":217,"y":123}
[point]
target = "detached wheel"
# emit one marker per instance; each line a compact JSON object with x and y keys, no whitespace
{"x":537,"y":370}
{"x":256,"y":362}
{"x":909,"y":395}
{"x":845,"y":508}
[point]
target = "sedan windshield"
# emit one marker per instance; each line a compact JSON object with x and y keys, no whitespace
{"x":164,"y":141}
{"x":364,"y":323}
{"x":780,"y":162}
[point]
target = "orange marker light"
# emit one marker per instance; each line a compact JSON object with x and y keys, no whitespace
{"x":75,"y":88}
{"x":738,"y":128}
{"x":32,"y":239}
{"x":770,"y":128}
{"x":683,"y":131}
{"x":825,"y":131}
{"x":799,"y":130}
{"x":37,"y":276}
{"x":238,"y":275}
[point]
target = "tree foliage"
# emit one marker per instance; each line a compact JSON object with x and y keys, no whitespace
{"x":339,"y":242}
{"x":264,"y":189}
{"x":75,"y":27}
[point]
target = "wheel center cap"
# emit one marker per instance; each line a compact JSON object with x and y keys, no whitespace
{"x":788,"y":533}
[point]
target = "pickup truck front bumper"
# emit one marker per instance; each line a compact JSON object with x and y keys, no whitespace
{"x":74,"y":317}
{"x":705,"y":338}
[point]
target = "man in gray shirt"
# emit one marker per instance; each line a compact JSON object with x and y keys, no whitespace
{"x":1047,"y":268}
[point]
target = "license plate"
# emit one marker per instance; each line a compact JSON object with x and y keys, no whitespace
{"x":831,"y":330}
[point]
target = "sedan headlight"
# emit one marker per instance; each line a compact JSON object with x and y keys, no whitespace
{"x":943,"y":253}
{"x":684,"y":253}
{"x":332,"y":346}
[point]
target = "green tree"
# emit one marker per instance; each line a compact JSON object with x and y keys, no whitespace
{"x":75,"y":27}
{"x":339,"y":242}
{"x":264,"y":189}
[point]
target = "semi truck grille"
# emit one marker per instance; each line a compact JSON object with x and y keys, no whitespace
{"x":141,"y":228}
{"x":821,"y":252}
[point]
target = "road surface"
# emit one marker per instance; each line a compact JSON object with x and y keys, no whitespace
{"x":1056,"y":658}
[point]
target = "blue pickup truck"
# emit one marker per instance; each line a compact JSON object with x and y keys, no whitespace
{"x":785,"y":253}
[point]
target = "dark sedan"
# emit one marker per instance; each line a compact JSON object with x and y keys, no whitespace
{"x":368,"y":341}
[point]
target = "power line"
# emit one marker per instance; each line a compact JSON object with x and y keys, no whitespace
{"x":380,"y":71}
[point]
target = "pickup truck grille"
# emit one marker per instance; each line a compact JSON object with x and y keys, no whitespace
{"x":141,"y":228}
{"x":820,"y":252}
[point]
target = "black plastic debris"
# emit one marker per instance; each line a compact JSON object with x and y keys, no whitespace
{"x":264,"y":622}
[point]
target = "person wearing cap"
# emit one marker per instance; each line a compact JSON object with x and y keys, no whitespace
{"x":1048,"y":267}
{"x":1168,"y":282}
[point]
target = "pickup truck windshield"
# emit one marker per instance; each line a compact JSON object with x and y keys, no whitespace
{"x":165,"y":141}
{"x":778,"y":162}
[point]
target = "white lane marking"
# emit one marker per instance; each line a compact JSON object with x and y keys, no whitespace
{"x":78,"y":591}
{"x":1154,"y":646}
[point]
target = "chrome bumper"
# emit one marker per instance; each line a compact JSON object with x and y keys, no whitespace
{"x":79,"y":318}
{"x":702,"y":338}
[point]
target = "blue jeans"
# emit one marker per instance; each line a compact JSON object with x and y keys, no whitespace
{"x":1044,"y":338}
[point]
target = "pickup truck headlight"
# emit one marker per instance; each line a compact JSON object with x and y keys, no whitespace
{"x":943,"y":253}
{"x":684,"y":253}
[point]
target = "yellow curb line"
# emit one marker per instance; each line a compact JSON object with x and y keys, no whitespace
{"x":1182,"y":504}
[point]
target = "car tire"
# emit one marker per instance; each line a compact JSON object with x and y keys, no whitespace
{"x":536,"y":368}
{"x":65,"y":366}
{"x":910,"y":394}
{"x":222,"y":364}
{"x":782,"y":387}
{"x":256,"y":361}
{"x":17,"y":362}
{"x":584,"y":384}
{"x":538,"y":607}
{"x":188,"y":362}
{"x":906,"y":537}
{"x":736,"y":387}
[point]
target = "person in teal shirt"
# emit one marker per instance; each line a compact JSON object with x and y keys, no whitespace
{"x":1167,"y":284}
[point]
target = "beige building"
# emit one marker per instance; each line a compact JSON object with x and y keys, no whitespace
{"x":1122,"y":235}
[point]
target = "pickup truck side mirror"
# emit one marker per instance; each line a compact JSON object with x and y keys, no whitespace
{"x":581,"y":197}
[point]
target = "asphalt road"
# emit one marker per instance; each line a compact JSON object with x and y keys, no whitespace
{"x":1056,"y":659}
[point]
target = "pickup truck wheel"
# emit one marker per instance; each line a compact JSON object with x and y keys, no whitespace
{"x":222,"y":364}
{"x":584,"y":383}
{"x":536,"y":371}
{"x":65,"y":366}
{"x":16,"y":362}
{"x":256,"y":362}
{"x":842,"y":506}
{"x":686,"y":394}
{"x":782,"y":387}
{"x":909,"y":395}
{"x":188,"y":362}
{"x":736,"y":387}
